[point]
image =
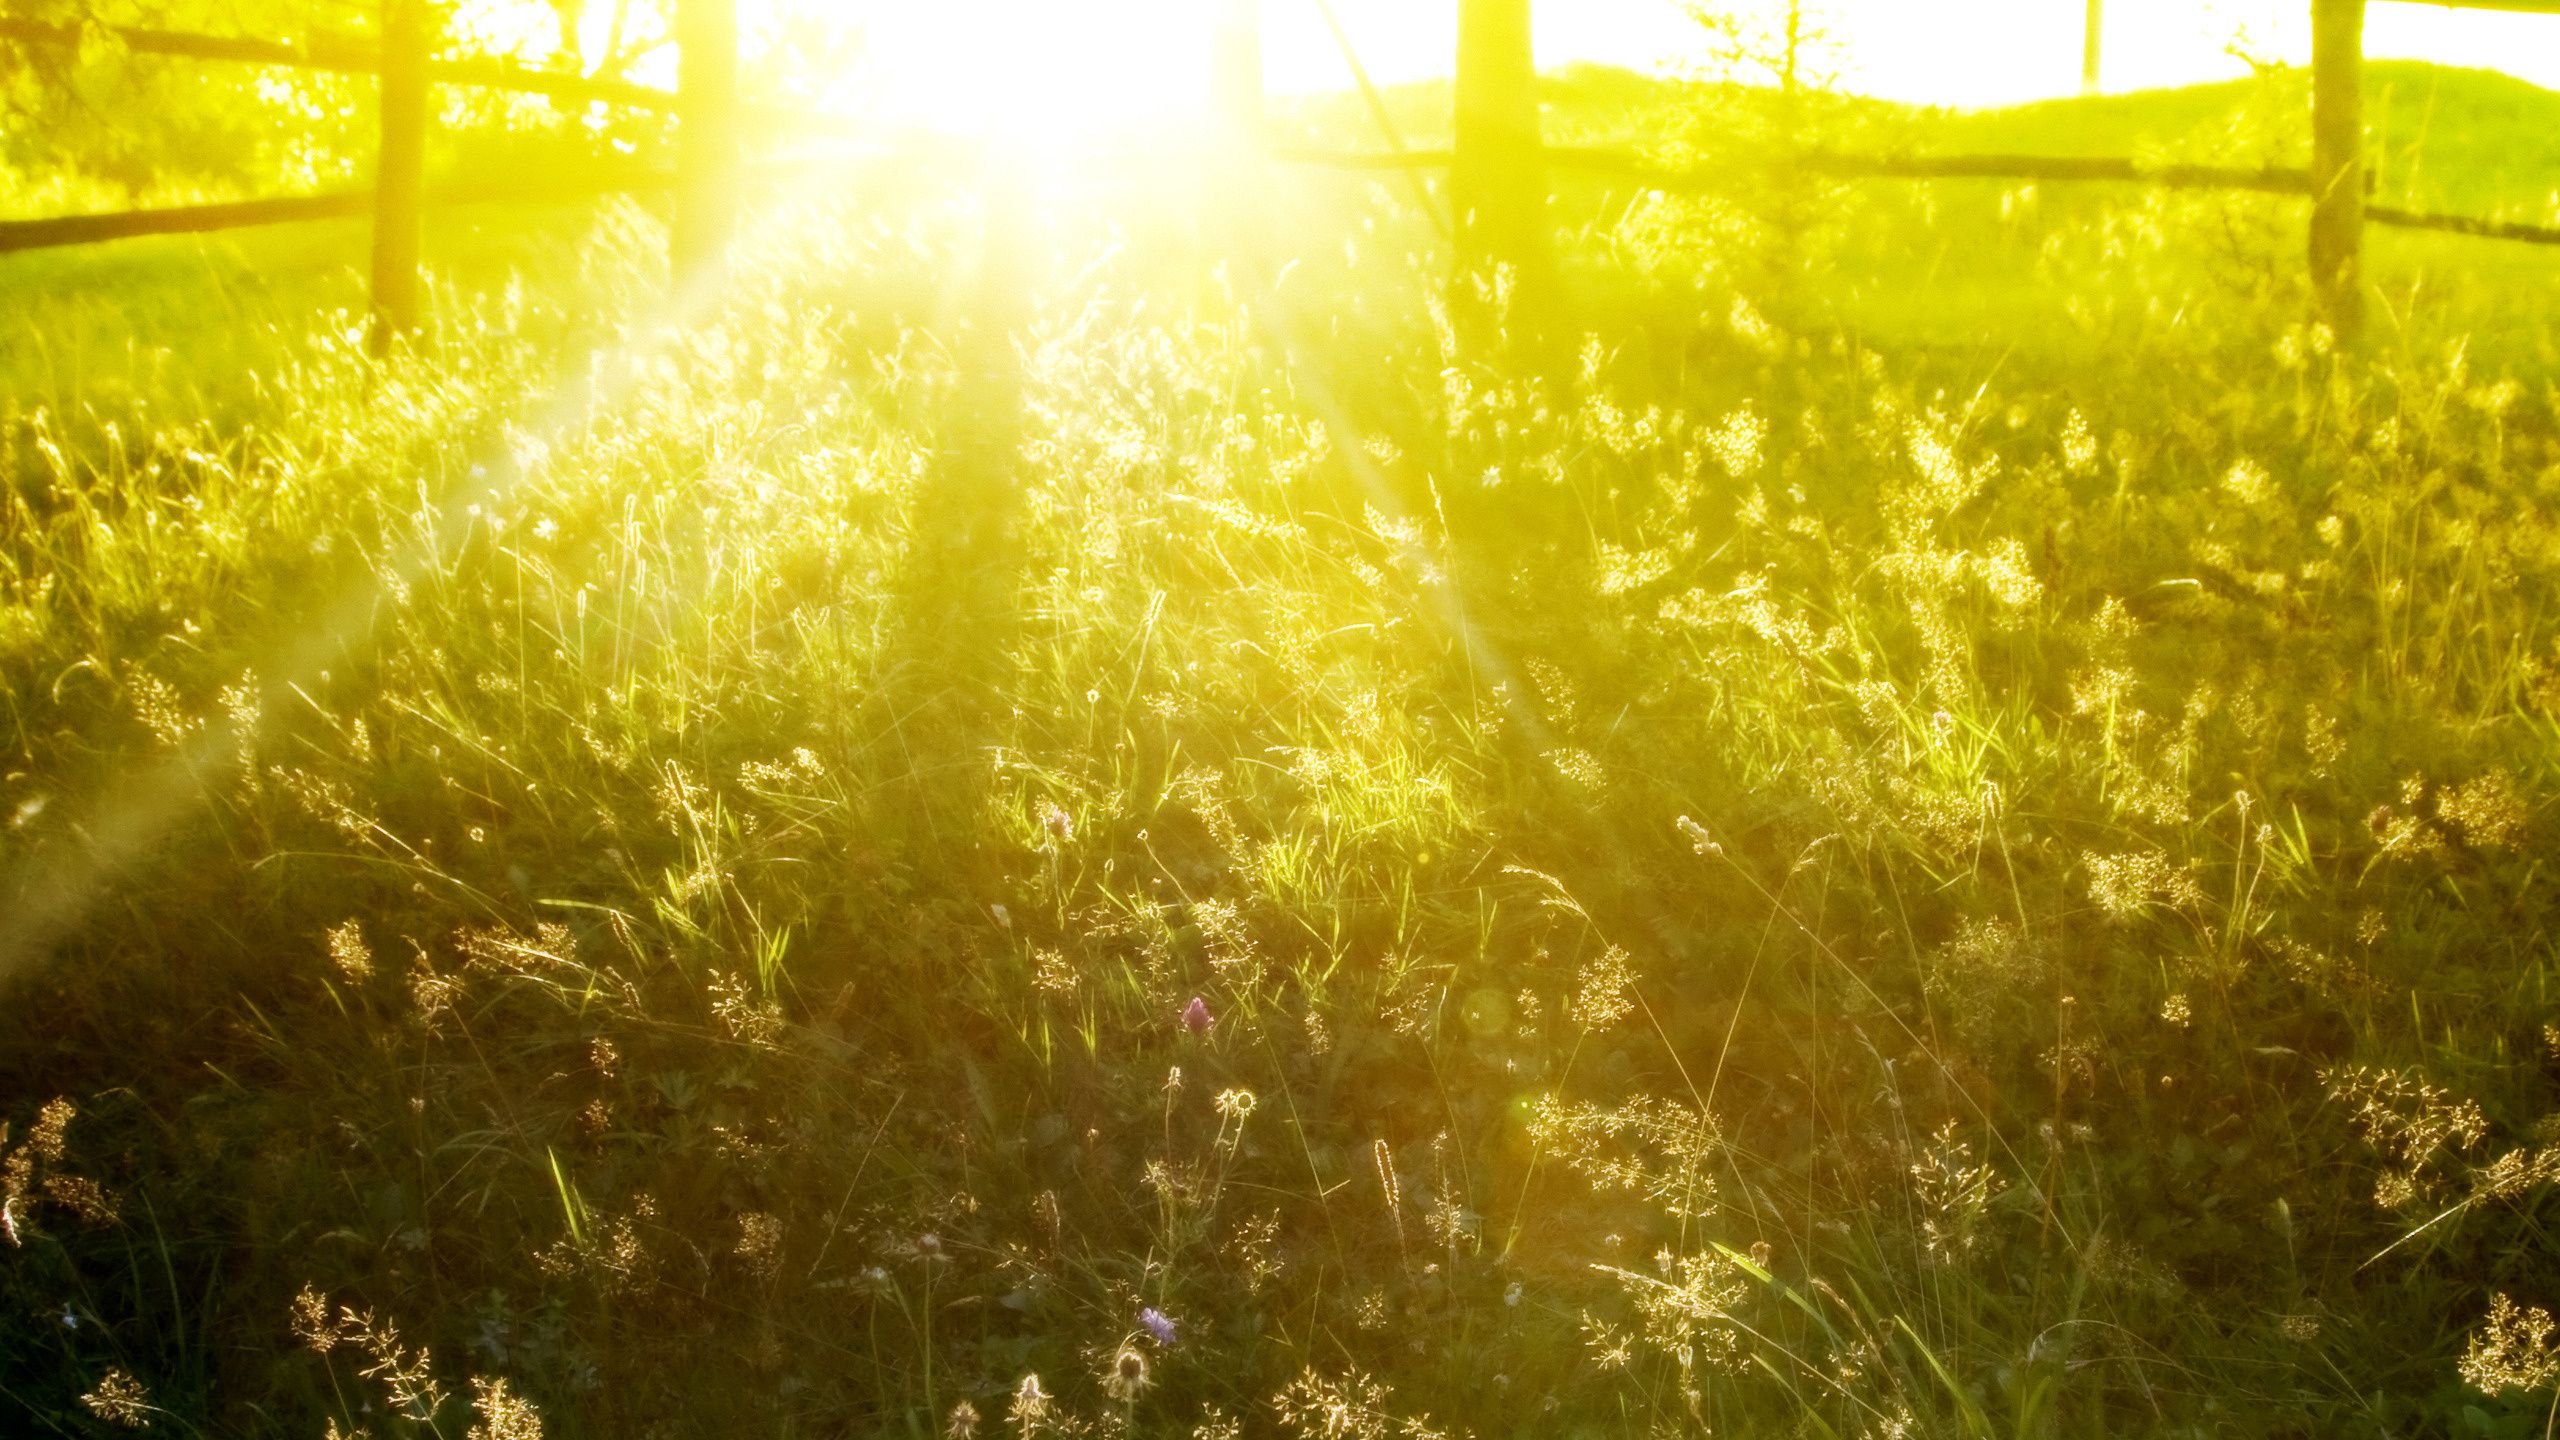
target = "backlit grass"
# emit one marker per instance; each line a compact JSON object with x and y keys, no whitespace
{"x":1067,"y":834}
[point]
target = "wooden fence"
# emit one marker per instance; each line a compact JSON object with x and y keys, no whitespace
{"x":407,"y":68}
{"x":1498,"y":166}
{"x":1493,"y":56}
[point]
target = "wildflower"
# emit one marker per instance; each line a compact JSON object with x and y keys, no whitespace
{"x":964,"y":1422}
{"x":1055,"y":820}
{"x":2515,"y":1351}
{"x":350,"y":954}
{"x":504,"y":1415}
{"x":1052,"y":973}
{"x":1030,"y":1404}
{"x":1351,"y":1408}
{"x":2079,"y":446}
{"x":432,"y":994}
{"x":2008,"y":576}
{"x":1158,"y":1324}
{"x":2487,"y":811}
{"x":1611,"y":1348}
{"x":1607,"y":993}
{"x":2125,"y":885}
{"x":1196,"y":1017}
{"x":2248,"y":482}
{"x":30,"y":1170}
{"x":1126,"y":1378}
{"x":2403,"y":1116}
{"x":760,"y":1243}
{"x":119,"y":1399}
{"x":311,"y":1322}
{"x":1955,"y":1191}
{"x":1736,"y":443}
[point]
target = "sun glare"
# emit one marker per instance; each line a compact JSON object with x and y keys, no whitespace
{"x":1031,"y":73}
{"x":1052,"y":77}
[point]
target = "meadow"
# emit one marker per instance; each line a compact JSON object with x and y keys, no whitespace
{"x":1924,"y":815}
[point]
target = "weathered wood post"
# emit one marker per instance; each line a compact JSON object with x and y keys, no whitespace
{"x":399,"y":174}
{"x":707,"y":148}
{"x":1235,"y":176}
{"x":2337,"y":164}
{"x":2092,"y":35}
{"x":1498,"y":175}
{"x":1238,"y":74}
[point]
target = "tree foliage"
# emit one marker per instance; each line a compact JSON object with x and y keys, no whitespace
{"x":101,"y":124}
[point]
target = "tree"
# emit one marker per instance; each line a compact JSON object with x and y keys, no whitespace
{"x":96,"y":127}
{"x":99,"y":126}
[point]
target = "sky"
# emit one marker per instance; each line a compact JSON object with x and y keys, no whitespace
{"x":1951,"y":52}
{"x":1038,"y":66}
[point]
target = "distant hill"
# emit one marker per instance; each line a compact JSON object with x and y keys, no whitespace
{"x":2468,"y":140}
{"x":2474,"y":141}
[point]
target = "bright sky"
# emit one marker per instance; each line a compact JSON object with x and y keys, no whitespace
{"x":1953,"y":52}
{"x":937,"y":59}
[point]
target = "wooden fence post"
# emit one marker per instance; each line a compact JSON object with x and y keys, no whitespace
{"x":2337,"y":164}
{"x":1238,"y":76}
{"x":399,"y":174}
{"x":2092,"y":34}
{"x":707,"y":150}
{"x":1498,"y":171}
{"x":1234,"y":217}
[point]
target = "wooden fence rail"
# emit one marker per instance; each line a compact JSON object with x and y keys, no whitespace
{"x":1499,"y":155}
{"x":342,"y":56}
{"x":66,"y":230}
{"x":1494,"y":80}
{"x":1620,"y":164}
{"x":1626,"y":165}
{"x":2463,"y":225}
{"x":2520,"y":7}
{"x":1996,"y":165}
{"x":407,"y":68}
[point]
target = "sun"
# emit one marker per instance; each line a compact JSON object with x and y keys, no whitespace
{"x":1034,"y":73}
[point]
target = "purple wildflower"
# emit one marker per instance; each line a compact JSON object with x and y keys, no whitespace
{"x":1195,"y":1016}
{"x":1158,"y":1324}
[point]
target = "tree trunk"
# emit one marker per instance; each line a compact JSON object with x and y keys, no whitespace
{"x":399,"y":174}
{"x":707,"y":150}
{"x":2337,"y":164}
{"x":1497,"y":178}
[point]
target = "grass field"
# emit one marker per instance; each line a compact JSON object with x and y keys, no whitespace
{"x":1928,"y":819}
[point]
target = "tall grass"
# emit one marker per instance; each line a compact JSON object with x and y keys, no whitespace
{"x":1183,"y":855}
